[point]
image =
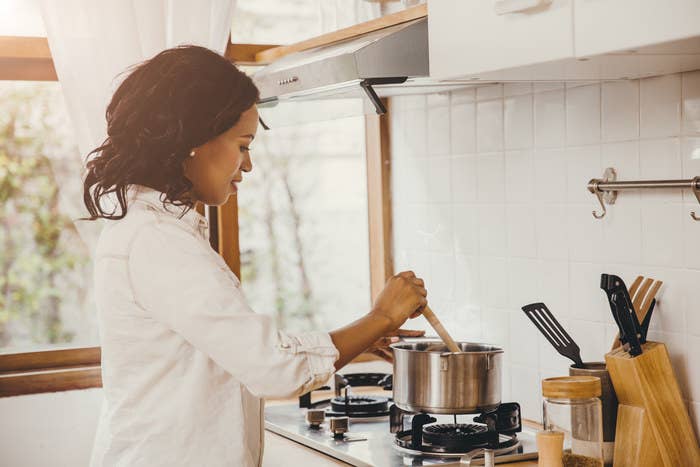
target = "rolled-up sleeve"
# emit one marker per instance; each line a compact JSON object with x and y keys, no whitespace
{"x":175,"y":280}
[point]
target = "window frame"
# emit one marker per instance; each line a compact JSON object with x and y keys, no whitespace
{"x":41,"y":371}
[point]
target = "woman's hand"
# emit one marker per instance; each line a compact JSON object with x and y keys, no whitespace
{"x":403,"y":297}
{"x":381,"y":348}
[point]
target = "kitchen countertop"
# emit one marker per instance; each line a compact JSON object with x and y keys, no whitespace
{"x":282,"y":451}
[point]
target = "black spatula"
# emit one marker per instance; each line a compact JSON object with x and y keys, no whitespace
{"x":552,"y":330}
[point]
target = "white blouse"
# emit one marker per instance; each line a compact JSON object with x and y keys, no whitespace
{"x":185,"y":361}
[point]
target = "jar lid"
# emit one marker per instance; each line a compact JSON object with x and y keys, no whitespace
{"x":571,"y":387}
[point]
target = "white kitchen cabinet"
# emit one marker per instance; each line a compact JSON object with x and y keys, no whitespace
{"x":562,"y":40}
{"x":471,"y":37}
{"x":651,"y":26}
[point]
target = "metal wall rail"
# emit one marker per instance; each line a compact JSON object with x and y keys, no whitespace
{"x":606,"y":188}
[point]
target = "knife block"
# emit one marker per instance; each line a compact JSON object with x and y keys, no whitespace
{"x":653,"y":427}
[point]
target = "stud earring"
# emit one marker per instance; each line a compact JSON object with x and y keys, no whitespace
{"x":192,"y":153}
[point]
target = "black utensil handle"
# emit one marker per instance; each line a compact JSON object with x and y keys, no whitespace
{"x":645,"y":322}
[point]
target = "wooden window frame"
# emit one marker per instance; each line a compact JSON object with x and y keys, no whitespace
{"x":29,"y":59}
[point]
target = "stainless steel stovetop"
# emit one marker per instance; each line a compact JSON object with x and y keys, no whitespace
{"x":369,"y":442}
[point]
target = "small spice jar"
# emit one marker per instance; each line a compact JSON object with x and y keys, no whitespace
{"x":572,"y":406}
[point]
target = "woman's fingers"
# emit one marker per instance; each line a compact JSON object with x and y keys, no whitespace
{"x":407,"y":333}
{"x":410,"y":333}
{"x":384,"y":354}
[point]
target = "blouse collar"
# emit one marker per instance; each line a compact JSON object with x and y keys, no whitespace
{"x":151,"y":197}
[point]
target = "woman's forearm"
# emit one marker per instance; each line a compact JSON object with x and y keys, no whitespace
{"x":356,"y":337}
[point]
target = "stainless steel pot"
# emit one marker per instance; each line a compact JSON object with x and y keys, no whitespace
{"x":428,"y":378}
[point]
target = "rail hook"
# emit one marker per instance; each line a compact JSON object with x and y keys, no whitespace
{"x":696,"y":192}
{"x":593,"y":188}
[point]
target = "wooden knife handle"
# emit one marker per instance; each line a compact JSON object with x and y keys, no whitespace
{"x":442,"y":332}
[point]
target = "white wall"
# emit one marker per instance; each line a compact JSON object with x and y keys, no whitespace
{"x":54,"y":429}
{"x":491,"y":207}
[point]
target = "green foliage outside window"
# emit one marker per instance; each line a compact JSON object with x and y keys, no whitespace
{"x":42,"y":258}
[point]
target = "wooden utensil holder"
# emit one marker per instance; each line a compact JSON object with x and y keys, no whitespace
{"x":653,"y":426}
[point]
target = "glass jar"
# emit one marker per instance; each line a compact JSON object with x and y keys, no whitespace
{"x":572,"y":406}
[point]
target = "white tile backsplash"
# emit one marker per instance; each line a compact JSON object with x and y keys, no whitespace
{"x":438,"y":130}
{"x":691,"y":103}
{"x":439,"y":179}
{"x":552,"y":232}
{"x":489,"y":125}
{"x":662,"y":235}
{"x":463,"y":179}
{"x":661,"y":159}
{"x":465,"y":221}
{"x":490,"y":178}
{"x":517,"y":125}
{"x":583,"y":115}
{"x":492,"y":236}
{"x":522,"y":236}
{"x":463,"y":128}
{"x":516,"y":89}
{"x":550,"y":119}
{"x":690,"y":156}
{"x":519,"y":178}
{"x":491,"y":207}
{"x":620,"y":110}
{"x":491,"y":91}
{"x":660,"y":106}
{"x":582,"y":164}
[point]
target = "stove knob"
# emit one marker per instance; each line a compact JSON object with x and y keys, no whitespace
{"x":339,"y":426}
{"x":314,"y":417}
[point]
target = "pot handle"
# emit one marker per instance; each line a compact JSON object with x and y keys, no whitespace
{"x":444,"y":361}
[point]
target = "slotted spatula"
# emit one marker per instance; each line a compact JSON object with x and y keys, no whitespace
{"x":540,"y":315}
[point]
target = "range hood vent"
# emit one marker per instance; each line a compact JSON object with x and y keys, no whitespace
{"x":378,"y":64}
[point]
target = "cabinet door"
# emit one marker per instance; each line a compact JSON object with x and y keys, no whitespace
{"x":603,"y":26}
{"x":469,"y":37}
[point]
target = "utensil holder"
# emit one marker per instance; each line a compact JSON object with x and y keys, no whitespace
{"x":609,"y":402}
{"x":653,"y":426}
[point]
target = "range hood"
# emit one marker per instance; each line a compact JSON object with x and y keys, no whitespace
{"x":382,"y":63}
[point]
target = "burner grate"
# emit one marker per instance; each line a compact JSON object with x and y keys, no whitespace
{"x":456,"y":436}
{"x":360,"y":405}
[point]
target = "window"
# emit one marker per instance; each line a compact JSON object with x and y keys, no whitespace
{"x":45,"y":286}
{"x":303,"y":224}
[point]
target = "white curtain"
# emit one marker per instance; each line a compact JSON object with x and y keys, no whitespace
{"x":93,"y":41}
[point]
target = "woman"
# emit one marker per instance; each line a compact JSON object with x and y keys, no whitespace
{"x":185,"y":361}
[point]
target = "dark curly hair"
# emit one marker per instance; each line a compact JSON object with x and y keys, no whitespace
{"x":167,"y":105}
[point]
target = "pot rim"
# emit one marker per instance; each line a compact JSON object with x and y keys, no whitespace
{"x":398,"y":346}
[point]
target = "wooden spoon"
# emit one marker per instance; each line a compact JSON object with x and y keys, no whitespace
{"x":440,"y":329}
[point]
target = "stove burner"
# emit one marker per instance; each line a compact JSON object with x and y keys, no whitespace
{"x":460,"y":436}
{"x":353,"y":406}
{"x":360,"y":404}
{"x":418,"y":432}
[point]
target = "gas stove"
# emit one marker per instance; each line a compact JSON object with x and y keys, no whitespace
{"x":369,"y":430}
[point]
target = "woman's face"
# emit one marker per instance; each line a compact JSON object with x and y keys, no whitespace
{"x":218,"y":164}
